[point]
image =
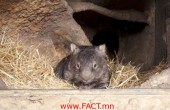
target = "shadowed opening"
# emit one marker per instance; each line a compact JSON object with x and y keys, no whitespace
{"x":101,"y":29}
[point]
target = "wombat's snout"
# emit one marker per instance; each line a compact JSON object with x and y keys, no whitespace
{"x":87,"y":76}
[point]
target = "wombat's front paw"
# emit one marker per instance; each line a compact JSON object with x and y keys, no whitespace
{"x":101,"y":86}
{"x":98,"y":86}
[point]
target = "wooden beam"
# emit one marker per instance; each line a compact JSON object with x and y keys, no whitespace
{"x":129,"y":99}
{"x":129,"y":15}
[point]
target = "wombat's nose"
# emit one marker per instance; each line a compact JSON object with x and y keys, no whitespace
{"x":86,"y":76}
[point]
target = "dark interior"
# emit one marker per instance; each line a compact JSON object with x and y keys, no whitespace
{"x":101,"y":29}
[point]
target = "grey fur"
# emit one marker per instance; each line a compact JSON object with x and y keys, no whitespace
{"x":85,"y":67}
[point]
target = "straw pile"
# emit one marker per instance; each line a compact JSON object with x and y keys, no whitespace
{"x":144,"y":76}
{"x":23,"y":68}
{"x":128,"y":76}
{"x":122,"y":76}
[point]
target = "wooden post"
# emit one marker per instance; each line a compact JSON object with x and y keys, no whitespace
{"x":160,"y":45}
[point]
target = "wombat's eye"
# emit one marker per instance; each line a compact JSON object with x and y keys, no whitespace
{"x":94,"y":65}
{"x":78,"y":66}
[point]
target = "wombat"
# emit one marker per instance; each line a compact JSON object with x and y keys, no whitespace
{"x":85,"y":67}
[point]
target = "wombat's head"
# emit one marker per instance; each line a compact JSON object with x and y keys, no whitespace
{"x":87,"y":63}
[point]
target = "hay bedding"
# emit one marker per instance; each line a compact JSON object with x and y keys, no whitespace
{"x":23,"y":67}
{"x":122,"y":76}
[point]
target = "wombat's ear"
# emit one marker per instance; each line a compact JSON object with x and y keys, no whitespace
{"x":102,"y":49}
{"x":74,"y":48}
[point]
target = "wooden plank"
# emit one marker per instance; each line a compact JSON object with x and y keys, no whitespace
{"x":168,"y":39}
{"x":122,"y":99}
{"x":160,"y":29}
